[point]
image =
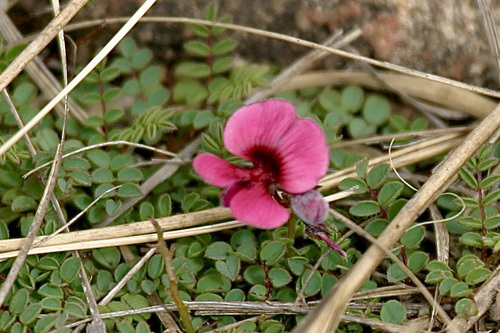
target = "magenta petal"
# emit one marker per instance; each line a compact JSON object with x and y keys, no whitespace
{"x":216,"y":171}
{"x":304,"y":156}
{"x":260,"y":124}
{"x":255,"y":206}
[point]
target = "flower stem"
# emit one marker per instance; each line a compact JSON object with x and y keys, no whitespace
{"x":291,"y":228}
{"x":168,"y":257}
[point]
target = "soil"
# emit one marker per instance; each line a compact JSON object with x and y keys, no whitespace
{"x":446,"y":38}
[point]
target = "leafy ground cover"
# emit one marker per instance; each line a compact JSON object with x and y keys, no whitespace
{"x":127,"y":159}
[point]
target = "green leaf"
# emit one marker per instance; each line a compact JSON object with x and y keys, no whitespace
{"x":213,"y":283}
{"x":436,"y":265}
{"x":48,"y":263}
{"x":127,"y":47}
{"x":46,"y":323}
{"x":224,"y":46}
{"x":222,"y":65}
{"x":131,"y":87}
{"x":80,"y":177}
{"x":109,"y":74}
{"x":329,"y":281}
{"x":229,"y":267}
{"x":23,"y":93}
{"x":359,"y":128}
{"x":255,"y":275}
{"x":129,"y":174}
{"x":49,"y":290}
{"x":242,"y":236}
{"x":155,"y":266}
{"x":393,"y":312}
{"x":348,"y":183}
{"x":247,"y":252}
{"x":10,"y":179}
{"x":376,"y":109}
{"x":492,"y":222}
{"x":235,"y":295}
{"x":376,"y":227}
{"x":491,"y":197}
{"x":417,"y":261}
{"x":192,"y":69}
{"x":279,"y":277}
{"x":136,"y":301}
{"x":218,"y":251}
{"x":203,"y":119}
{"x":257,"y":293}
{"x":113,"y":115}
{"x":446,"y":285}
{"x":30,"y":313}
{"x":141,"y":59}
{"x":487,"y":164}
{"x":365,"y":208}
{"x":460,"y":289}
{"x":329,"y":100}
{"x":315,"y":283}
{"x":150,"y":76}
{"x":69,"y":269}
{"x":199,"y":30}
{"x":51,"y":304}
{"x":412,"y":237}
{"x":197,"y":48}
{"x":129,"y":190}
{"x":76,"y":163}
{"x":466,"y":307}
{"x":477,"y":276}
{"x":395,"y":273}
{"x":110,"y":94}
{"x":165,"y":205}
{"x":112,"y":206}
{"x":377,"y":175}
{"x":99,"y":158}
{"x":389,"y":192}
{"x":109,"y":257}
{"x":471,"y":239}
{"x":352,"y":98}
{"x":102,"y":175}
{"x":272,"y":252}
{"x":468,"y":177}
{"x":297,"y":264}
{"x":23,"y":203}
{"x":47,"y":138}
{"x":19,"y":301}
{"x":489,"y":182}
{"x":362,"y":168}
{"x":470,"y":222}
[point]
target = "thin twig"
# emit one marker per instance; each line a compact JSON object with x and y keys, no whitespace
{"x":168,"y":257}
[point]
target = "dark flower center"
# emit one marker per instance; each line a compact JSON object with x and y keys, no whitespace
{"x":268,"y":161}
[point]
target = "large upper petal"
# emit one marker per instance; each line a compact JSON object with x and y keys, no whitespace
{"x":261,"y":124}
{"x":304,"y":156}
{"x":216,"y":171}
{"x":255,"y":206}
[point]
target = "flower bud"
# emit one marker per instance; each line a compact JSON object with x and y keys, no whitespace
{"x":311,"y":207}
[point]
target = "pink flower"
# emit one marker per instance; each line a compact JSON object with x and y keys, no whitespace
{"x":287,"y":154}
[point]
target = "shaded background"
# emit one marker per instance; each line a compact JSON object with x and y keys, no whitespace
{"x":446,"y":37}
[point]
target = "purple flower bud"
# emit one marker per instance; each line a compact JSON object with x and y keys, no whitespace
{"x":310,"y":207}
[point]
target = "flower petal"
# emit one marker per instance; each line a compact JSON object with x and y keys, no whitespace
{"x":304,"y":156}
{"x":255,"y":206}
{"x":216,"y":171}
{"x":260,"y":124}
